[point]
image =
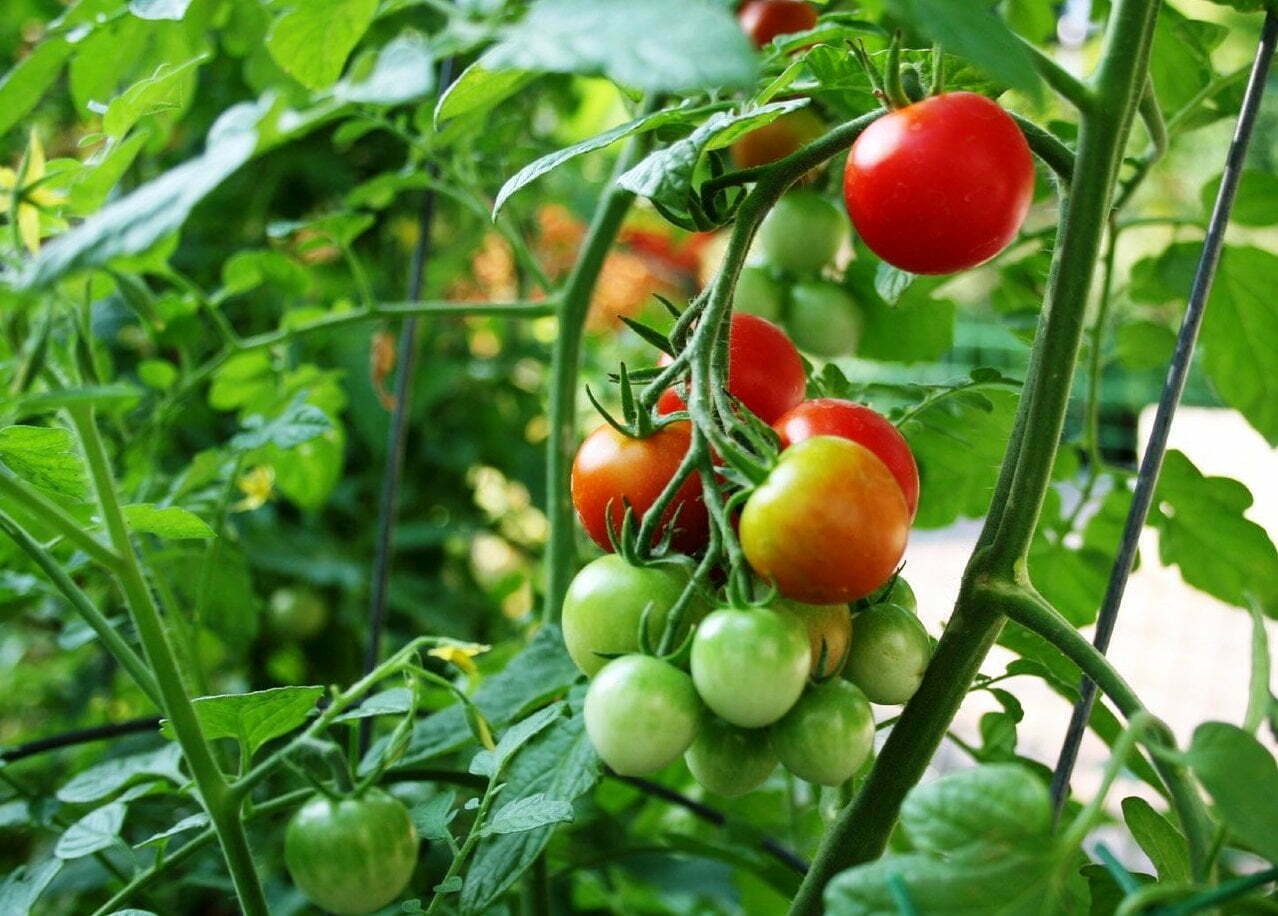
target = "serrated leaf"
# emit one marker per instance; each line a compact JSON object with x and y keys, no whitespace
{"x":478,"y":89}
{"x":97,"y":830}
{"x":528,"y":813}
{"x":1242,"y":778}
{"x":196,"y":821}
{"x":300,"y":422}
{"x":47,"y":457}
{"x":890,"y":282}
{"x":403,"y":71}
{"x":110,"y":776}
{"x":1144,"y":344}
{"x":1254,"y":204}
{"x":978,"y":812}
{"x":26,"y":81}
{"x":1162,"y":842}
{"x":312,"y":40}
{"x":665,"y":176}
{"x":973,"y":31}
{"x":252,"y":719}
{"x":390,"y":702}
{"x":163,"y":88}
{"x":432,"y":817}
{"x":916,"y":328}
{"x":651,"y":45}
{"x":539,"y":167}
{"x":171,"y":522}
{"x":23,"y":886}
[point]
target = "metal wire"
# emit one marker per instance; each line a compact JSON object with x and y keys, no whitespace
{"x":388,"y":502}
{"x":1152,"y":462}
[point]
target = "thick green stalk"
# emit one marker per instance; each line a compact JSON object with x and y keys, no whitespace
{"x":574,"y":303}
{"x":860,"y":833}
{"x":223,"y":811}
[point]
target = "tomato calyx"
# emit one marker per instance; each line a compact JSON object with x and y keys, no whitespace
{"x":899,"y":85}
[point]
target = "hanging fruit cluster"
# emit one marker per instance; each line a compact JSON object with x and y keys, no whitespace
{"x":750,"y":608}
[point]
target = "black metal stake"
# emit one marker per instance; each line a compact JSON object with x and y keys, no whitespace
{"x":1152,"y":462}
{"x":388,"y":502}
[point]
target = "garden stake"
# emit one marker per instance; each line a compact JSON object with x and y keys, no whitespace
{"x":1152,"y":462}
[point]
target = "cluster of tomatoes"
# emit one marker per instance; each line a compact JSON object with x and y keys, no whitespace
{"x":790,"y":678}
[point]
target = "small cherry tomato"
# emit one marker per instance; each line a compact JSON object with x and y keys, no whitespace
{"x":764,"y":20}
{"x":758,"y":293}
{"x":729,"y":760}
{"x":901,"y":595}
{"x":765,"y":371}
{"x":802,"y":233}
{"x":829,"y":633}
{"x":890,"y":651}
{"x":351,"y":855}
{"x":849,"y":420}
{"x":641,"y":713}
{"x":941,"y":185}
{"x":824,"y":319}
{"x":298,"y":613}
{"x":827,"y":735}
{"x":777,"y":139}
{"x":605,"y":604}
{"x":750,"y":664}
{"x":828,"y":525}
{"x":612,"y":469}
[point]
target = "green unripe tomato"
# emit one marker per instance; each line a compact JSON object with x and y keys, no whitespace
{"x":890,"y":651}
{"x":729,"y":760}
{"x":901,"y":595}
{"x":750,"y":664}
{"x":803,"y":232}
{"x":641,"y":713}
{"x":352,"y":855}
{"x":824,"y":319}
{"x":759,"y":293}
{"x":827,"y":735}
{"x":605,"y":603}
{"x":298,"y":613}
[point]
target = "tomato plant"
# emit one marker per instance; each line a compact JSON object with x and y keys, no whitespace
{"x":921,"y":208}
{"x":861,"y":424}
{"x":765,"y":371}
{"x":828,"y":525}
{"x":337,"y":339}
{"x":351,"y":855}
{"x":613,"y":470}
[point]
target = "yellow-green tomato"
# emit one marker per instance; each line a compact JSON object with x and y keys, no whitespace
{"x":824,"y":319}
{"x":298,"y":613}
{"x":902,"y":595}
{"x":605,"y":604}
{"x":759,"y":293}
{"x":729,"y":760}
{"x":641,"y":714}
{"x":827,"y":735}
{"x":351,"y":855}
{"x":890,"y":651}
{"x":803,"y":232}
{"x":750,"y":664}
{"x":829,"y":633}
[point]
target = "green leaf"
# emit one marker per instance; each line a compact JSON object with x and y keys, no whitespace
{"x":528,"y":813}
{"x":1162,"y":842}
{"x":110,"y":776}
{"x":491,"y":763}
{"x":96,"y":831}
{"x":1180,"y":57}
{"x":104,"y":396}
{"x":403,"y":71}
{"x":165,"y":88}
{"x":478,"y":89}
{"x":1203,"y":530}
{"x":539,"y":167}
{"x":25,"y":83}
{"x":24,"y":885}
{"x":171,"y":522}
{"x":390,"y":702}
{"x":1254,"y":205}
{"x":247,"y":270}
{"x":299,"y":423}
{"x":651,"y":45}
{"x":665,"y":176}
{"x":433,"y":817}
{"x":890,"y":282}
{"x":252,"y":719}
{"x":1242,"y":779}
{"x":312,"y":40}
{"x":1144,"y":344}
{"x":159,"y":9}
{"x":972,"y":31}
{"x":559,"y":765}
{"x":195,"y":821}
{"x":47,"y":457}
{"x":915,"y":328}
{"x":998,"y":807}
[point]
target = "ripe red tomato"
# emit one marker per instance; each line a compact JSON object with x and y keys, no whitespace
{"x":764,"y":20}
{"x":828,"y":525}
{"x":941,"y":185}
{"x":611,"y":469}
{"x":765,"y":371}
{"x":849,"y":420}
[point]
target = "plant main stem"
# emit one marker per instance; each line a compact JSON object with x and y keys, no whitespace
{"x":223,"y":810}
{"x":860,"y":833}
